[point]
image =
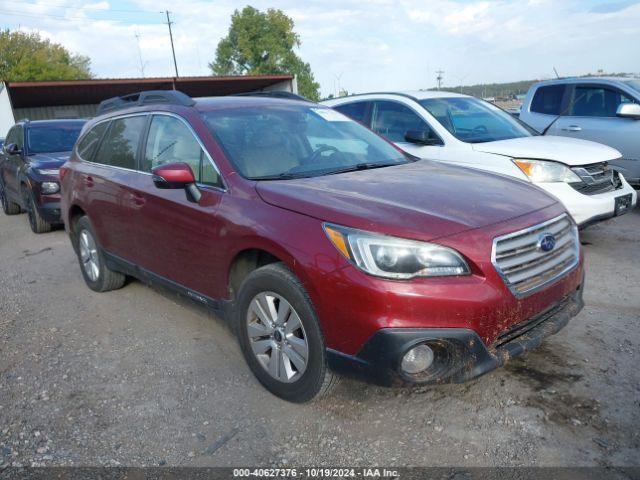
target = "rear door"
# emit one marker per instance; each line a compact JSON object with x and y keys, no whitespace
{"x":178,"y":239}
{"x":105,"y":185}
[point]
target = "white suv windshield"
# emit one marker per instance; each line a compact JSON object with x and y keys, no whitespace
{"x":292,"y":140}
{"x":474,"y":121}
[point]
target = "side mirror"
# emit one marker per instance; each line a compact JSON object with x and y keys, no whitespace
{"x":13,"y":149}
{"x":629,"y":110}
{"x":421,"y":137}
{"x":177,"y":176}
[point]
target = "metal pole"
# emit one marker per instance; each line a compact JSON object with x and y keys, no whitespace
{"x":173,"y":50}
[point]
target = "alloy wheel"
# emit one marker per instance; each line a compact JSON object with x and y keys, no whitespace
{"x":89,"y":255}
{"x":277,"y":337}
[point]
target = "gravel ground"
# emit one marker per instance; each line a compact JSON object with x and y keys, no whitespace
{"x":141,"y":377}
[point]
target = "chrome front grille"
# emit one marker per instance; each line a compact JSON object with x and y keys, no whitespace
{"x":596,"y":178}
{"x":522,"y":262}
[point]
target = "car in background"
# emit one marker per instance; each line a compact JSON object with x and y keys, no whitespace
{"x":327,"y":248}
{"x":30,"y":160}
{"x":1,"y":142}
{"x":601,"y":109}
{"x":463,"y":130}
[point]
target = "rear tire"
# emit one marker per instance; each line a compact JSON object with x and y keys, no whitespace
{"x":95,"y":272}
{"x":280,"y":335}
{"x":8,"y":207}
{"x":36,"y":222}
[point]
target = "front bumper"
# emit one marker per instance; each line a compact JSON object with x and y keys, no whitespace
{"x":589,"y":209}
{"x":50,"y":211}
{"x":460,"y":354}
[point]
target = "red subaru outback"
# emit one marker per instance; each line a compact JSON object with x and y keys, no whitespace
{"x":328,"y":249}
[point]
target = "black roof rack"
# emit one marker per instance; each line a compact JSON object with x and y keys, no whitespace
{"x":169,"y":97}
{"x":273,"y":94}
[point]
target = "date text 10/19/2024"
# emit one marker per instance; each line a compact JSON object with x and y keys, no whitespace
{"x":315,"y":472}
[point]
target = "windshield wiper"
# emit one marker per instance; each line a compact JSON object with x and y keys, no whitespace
{"x":281,"y":176}
{"x":360,"y":166}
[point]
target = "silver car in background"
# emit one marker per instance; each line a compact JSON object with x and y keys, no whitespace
{"x":601,"y":109}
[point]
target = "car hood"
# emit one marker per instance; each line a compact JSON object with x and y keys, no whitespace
{"x":48,"y":160}
{"x":422,"y":200}
{"x":570,"y":151}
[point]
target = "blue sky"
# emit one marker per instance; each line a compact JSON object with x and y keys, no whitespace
{"x":357,"y":45}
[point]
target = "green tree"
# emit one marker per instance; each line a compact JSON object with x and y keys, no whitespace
{"x":262,"y":43}
{"x":29,"y":57}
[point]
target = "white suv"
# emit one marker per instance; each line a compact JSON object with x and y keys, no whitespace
{"x":460,"y":129}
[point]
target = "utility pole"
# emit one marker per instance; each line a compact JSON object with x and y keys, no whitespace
{"x":173,"y":50}
{"x":439,"y":78}
{"x":137,"y":35}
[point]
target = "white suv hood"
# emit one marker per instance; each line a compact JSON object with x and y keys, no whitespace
{"x":570,"y":151}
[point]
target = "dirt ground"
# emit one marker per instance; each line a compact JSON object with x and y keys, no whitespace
{"x":140,"y":377}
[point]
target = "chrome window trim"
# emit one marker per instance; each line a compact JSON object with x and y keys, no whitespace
{"x":524,"y":231}
{"x":222,"y":188}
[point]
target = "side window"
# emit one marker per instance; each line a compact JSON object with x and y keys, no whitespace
{"x":89,"y":143}
{"x":594,"y":101}
{"x":548,"y":100}
{"x":15,"y":136}
{"x":392,"y":120}
{"x":11,"y":136}
{"x":356,"y":110}
{"x":170,"y":141}
{"x":120,"y":144}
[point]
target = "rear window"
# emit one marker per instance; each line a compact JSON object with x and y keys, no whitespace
{"x":50,"y":139}
{"x":548,"y":100}
{"x":121,"y":142}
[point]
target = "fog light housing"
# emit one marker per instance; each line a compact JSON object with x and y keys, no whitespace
{"x":49,"y":187}
{"x":417,"y":360}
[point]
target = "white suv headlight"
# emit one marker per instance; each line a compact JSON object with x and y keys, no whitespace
{"x":540,"y":171}
{"x":393,"y":257}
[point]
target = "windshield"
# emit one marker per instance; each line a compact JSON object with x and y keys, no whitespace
{"x":50,"y":139}
{"x":288,"y":141}
{"x":474,"y":121}
{"x":634,"y":84}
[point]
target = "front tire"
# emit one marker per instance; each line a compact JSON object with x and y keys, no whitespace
{"x":95,"y":272}
{"x":280,"y":335}
{"x":8,"y":207}
{"x":36,"y":222}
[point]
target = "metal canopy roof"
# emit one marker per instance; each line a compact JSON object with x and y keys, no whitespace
{"x":79,"y":92}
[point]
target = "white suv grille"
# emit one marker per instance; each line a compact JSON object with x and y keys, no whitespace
{"x":524,"y":264}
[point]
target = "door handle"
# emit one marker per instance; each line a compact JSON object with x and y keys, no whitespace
{"x":572,"y":128}
{"x":89,"y":181}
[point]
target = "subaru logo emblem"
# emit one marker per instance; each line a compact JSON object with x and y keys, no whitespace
{"x":546,"y":242}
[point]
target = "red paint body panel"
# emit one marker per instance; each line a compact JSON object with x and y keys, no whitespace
{"x":195,"y":244}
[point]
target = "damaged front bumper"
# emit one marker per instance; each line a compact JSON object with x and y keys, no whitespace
{"x":459,"y":353}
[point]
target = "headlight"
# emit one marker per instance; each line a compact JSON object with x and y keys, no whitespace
{"x":49,"y":187}
{"x":392,"y":257}
{"x":49,"y":171}
{"x":542,"y":171}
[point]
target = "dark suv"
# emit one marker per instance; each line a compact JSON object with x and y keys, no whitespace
{"x":325,"y":246}
{"x":29,"y":162}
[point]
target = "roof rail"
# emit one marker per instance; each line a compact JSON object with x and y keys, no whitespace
{"x":273,"y":94}
{"x":170,"y":97}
